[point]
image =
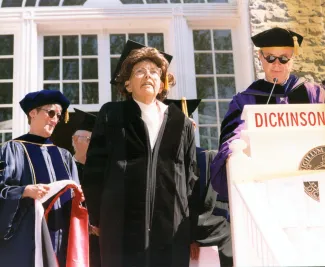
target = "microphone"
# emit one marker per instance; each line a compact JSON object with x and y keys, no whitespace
{"x":275,"y":80}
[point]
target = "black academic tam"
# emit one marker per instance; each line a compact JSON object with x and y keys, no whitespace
{"x":141,"y":197}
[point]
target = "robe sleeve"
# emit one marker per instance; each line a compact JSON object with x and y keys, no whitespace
{"x":231,"y":127}
{"x":95,"y":167}
{"x":190,"y":160}
{"x":191,"y":178}
{"x":213,"y":224}
{"x":316,"y":93}
{"x":70,"y":164}
{"x":12,"y":206}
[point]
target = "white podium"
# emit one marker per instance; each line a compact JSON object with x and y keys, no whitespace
{"x":276,"y":181}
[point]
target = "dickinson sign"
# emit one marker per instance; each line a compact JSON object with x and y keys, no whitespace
{"x":283,"y":116}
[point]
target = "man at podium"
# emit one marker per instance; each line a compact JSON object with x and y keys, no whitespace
{"x":278,"y":49}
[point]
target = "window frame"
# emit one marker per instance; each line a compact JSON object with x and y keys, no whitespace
{"x":169,"y":19}
{"x":14,"y":29}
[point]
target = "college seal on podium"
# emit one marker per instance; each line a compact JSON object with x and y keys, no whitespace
{"x":313,"y":160}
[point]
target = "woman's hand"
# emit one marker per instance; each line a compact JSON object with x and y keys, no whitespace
{"x":36,"y":191}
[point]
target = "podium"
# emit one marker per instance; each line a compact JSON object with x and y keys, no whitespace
{"x":276,"y":183}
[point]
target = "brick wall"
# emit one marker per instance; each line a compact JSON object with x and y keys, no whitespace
{"x":302,"y":16}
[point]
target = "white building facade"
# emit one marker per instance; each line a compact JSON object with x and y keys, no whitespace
{"x":73,"y":46}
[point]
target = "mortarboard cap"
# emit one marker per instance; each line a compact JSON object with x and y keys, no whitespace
{"x":278,"y":37}
{"x":87,"y":120}
{"x":191,"y":104}
{"x":63,"y":132}
{"x":44,"y":97}
{"x":128,"y":48}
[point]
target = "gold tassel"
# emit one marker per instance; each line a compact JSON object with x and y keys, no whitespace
{"x":166,"y":85}
{"x":66,"y":116}
{"x":184,"y":106}
{"x":295,"y":45}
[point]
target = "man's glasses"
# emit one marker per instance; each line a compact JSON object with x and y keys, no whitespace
{"x":154,"y":72}
{"x":52,"y":113}
{"x":87,"y":138}
{"x":270,"y":58}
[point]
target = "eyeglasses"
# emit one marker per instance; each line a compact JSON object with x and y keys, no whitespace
{"x":154,"y":72}
{"x":87,"y":138}
{"x":270,"y":58}
{"x":52,"y":113}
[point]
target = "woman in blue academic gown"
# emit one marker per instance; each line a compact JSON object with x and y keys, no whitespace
{"x":29,"y":162}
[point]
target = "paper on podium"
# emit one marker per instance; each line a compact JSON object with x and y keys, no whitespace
{"x":209,"y":257}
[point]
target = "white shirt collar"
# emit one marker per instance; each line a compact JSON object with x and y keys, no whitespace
{"x":152,"y":115}
{"x":152,"y":107}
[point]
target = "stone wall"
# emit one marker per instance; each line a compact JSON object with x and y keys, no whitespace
{"x":305,"y":17}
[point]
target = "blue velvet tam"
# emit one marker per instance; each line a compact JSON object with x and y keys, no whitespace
{"x":44,"y":97}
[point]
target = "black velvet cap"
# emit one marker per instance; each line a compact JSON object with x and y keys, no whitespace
{"x":192,"y":104}
{"x":87,"y":120}
{"x":128,"y":48}
{"x":277,"y":37}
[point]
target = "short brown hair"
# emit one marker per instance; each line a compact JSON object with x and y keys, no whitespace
{"x":29,"y":118}
{"x":138,"y":55}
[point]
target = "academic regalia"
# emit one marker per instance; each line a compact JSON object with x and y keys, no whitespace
{"x":86,"y":123}
{"x":139,"y":196}
{"x":294,"y":91}
{"x":138,"y":181}
{"x":86,"y":120}
{"x":213,"y":226}
{"x":31,"y":159}
{"x":191,"y":105}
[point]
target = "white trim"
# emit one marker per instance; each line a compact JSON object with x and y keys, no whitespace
{"x":125,"y":12}
{"x":104,"y":86}
{"x":243,"y":51}
{"x":27,"y":63}
{"x":15,"y":30}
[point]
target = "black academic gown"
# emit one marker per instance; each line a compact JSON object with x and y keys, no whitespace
{"x":31,"y":159}
{"x":140,"y":197}
{"x":94,"y":252}
{"x":213,"y":227}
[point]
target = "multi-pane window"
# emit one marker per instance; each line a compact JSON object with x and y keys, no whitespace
{"x":33,"y":3}
{"x":6,"y":86}
{"x":171,"y":1}
{"x":70,"y":64}
{"x":117,"y":42}
{"x":215,"y":81}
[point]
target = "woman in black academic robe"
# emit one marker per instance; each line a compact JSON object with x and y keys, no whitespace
{"x":138,"y":191}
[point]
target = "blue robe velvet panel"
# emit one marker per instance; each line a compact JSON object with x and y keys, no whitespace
{"x":31,"y":159}
{"x":294,"y":91}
